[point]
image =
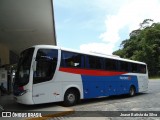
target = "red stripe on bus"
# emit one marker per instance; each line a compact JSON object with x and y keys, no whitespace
{"x":90,"y":72}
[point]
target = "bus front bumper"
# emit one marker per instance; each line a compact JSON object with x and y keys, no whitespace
{"x":24,"y":99}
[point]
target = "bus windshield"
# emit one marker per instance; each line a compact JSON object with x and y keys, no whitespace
{"x":24,"y":65}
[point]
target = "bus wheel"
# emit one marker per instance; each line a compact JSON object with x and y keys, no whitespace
{"x":132,"y":91}
{"x":70,"y":97}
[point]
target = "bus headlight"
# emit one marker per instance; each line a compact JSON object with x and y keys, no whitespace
{"x":23,"y":92}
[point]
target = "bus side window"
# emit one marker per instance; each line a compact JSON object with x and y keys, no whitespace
{"x":124,"y":66}
{"x":94,"y":62}
{"x":134,"y":68}
{"x":70,"y":59}
{"x":111,"y":64}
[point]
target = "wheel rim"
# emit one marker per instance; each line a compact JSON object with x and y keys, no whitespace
{"x":71,"y":98}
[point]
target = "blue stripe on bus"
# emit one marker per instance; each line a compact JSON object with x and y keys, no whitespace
{"x":96,"y":86}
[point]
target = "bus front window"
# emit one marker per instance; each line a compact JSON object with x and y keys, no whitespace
{"x":24,"y":65}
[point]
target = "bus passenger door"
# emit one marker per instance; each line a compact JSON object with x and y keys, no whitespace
{"x":44,"y":67}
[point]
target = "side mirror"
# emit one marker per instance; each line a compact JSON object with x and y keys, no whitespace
{"x":34,"y":65}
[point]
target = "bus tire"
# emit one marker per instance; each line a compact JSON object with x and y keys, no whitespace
{"x":70,"y":97}
{"x":132,"y":91}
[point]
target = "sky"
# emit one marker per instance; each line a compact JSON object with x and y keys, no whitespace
{"x":100,"y":25}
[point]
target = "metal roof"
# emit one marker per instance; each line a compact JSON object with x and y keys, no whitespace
{"x":24,"y":23}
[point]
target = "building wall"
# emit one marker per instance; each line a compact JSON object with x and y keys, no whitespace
{"x":4,"y":55}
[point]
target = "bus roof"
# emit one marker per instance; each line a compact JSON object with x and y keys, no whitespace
{"x":89,"y":53}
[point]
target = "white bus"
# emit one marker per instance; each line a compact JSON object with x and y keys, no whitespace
{"x":51,"y":74}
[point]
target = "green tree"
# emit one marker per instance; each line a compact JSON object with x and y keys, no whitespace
{"x":143,"y":45}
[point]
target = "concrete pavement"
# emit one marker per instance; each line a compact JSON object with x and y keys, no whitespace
{"x":45,"y":110}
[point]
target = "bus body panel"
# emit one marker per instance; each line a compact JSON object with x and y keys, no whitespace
{"x":42,"y":92}
{"x":143,"y":83}
{"x":70,"y":80}
{"x":97,"y":86}
{"x":107,"y":85}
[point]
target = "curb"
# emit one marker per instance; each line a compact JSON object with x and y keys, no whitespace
{"x":59,"y":114}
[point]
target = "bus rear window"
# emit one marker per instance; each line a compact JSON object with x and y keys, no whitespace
{"x":142,"y":68}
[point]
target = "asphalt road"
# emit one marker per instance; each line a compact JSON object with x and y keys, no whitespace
{"x":148,"y":101}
